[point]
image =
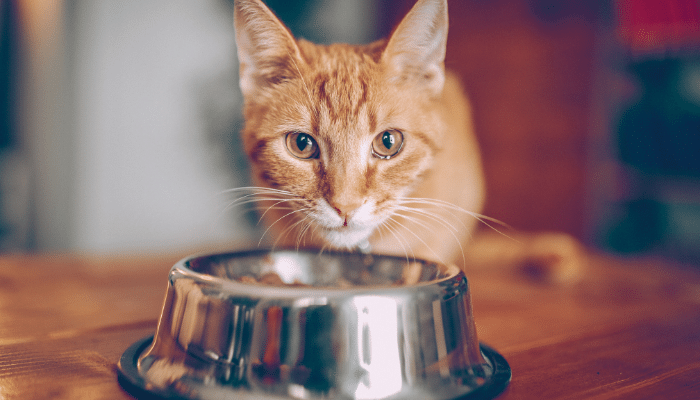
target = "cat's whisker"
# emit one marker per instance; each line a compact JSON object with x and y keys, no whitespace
{"x":241,"y":201}
{"x":324,"y":247}
{"x":274,"y":207}
{"x":386,"y":226}
{"x":302,"y":233}
{"x":282,"y":200}
{"x":230,"y":206}
{"x":254,"y":195}
{"x":313,"y":232}
{"x":433,"y":217}
{"x":379,"y":229}
{"x":445,"y":207}
{"x":259,"y":195}
{"x":422,"y":213}
{"x":307,"y":231}
{"x":287,"y":231}
{"x":393,"y":231}
{"x":278,"y":220}
{"x":253,"y":191}
{"x":422,"y":241}
{"x":484,"y":219}
{"x":407,"y":247}
{"x":453,"y":231}
{"x":414,"y":220}
{"x":443,"y":204}
{"x":258,"y":190}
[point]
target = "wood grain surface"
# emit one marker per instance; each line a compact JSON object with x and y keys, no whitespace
{"x":629,"y":330}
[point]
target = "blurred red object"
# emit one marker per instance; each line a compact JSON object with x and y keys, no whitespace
{"x":658,"y":26}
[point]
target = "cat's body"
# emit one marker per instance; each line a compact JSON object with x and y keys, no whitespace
{"x":360,"y":145}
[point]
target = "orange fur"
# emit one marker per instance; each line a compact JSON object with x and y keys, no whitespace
{"x":343,"y":97}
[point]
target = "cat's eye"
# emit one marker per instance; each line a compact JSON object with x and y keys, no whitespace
{"x":387,"y":144}
{"x":302,"y":145}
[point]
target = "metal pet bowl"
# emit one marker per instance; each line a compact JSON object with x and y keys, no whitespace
{"x":303,"y":325}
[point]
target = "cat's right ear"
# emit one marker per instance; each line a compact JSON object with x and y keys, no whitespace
{"x":267,"y":51}
{"x":416,"y":49}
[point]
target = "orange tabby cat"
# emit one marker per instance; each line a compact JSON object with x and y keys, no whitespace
{"x":360,"y":146}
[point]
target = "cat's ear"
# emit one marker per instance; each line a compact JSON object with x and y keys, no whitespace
{"x":416,"y":49}
{"x":267,"y":51}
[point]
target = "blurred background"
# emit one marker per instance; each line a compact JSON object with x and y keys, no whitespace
{"x":119,"y":120}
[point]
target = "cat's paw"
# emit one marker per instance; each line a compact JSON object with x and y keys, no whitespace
{"x":549,"y":257}
{"x":552,"y":257}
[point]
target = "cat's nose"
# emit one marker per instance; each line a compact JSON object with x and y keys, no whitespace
{"x":344,"y":209}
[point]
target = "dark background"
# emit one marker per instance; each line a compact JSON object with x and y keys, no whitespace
{"x":587,"y":112}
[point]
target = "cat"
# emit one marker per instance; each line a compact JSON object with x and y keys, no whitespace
{"x":365,"y":147}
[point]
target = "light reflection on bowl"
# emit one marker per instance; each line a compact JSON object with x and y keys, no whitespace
{"x":337,"y":326}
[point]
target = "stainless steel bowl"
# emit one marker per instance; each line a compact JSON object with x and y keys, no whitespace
{"x":324,"y":326}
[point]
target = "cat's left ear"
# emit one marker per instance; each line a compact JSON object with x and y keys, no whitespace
{"x":267,"y":51}
{"x":416,"y":49}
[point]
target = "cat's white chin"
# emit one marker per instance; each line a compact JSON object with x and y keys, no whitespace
{"x":346,"y":238}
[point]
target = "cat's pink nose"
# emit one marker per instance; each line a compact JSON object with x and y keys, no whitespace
{"x":345,"y":209}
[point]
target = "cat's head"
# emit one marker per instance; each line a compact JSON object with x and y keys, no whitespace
{"x":347,"y":131}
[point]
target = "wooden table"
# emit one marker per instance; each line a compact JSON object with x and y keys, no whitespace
{"x":628,"y":330}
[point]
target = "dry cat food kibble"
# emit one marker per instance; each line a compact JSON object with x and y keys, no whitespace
{"x":269,"y":278}
{"x":273,"y":279}
{"x":410,"y":275}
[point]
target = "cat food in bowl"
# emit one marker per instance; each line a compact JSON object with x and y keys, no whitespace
{"x":303,"y":325}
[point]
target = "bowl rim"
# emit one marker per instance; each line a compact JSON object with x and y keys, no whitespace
{"x":181,"y":269}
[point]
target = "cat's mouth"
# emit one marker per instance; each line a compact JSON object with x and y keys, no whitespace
{"x":343,"y":228}
{"x":345,"y":236}
{"x":344,"y":231}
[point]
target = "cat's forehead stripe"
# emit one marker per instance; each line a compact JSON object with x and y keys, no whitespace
{"x":343,"y":95}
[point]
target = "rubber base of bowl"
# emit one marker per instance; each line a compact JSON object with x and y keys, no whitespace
{"x":134,"y":383}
